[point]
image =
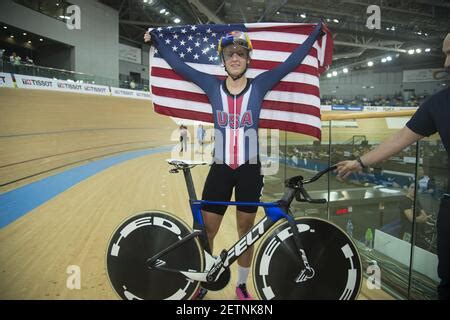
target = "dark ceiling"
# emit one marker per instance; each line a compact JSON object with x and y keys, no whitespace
{"x":405,"y":24}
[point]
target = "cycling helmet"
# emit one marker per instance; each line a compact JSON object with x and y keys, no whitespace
{"x":237,"y":38}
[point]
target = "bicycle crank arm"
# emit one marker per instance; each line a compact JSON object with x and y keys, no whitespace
{"x":196,"y":276}
{"x":216,"y":269}
{"x":305,"y":275}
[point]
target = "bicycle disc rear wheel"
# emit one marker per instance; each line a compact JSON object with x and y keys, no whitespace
{"x":330,"y":252}
{"x":139,"y":238}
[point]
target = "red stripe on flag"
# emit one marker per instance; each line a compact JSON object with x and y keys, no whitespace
{"x":166,"y":73}
{"x":279,"y":46}
{"x":238,"y":108}
{"x":184,"y":114}
{"x":297,"y":87}
{"x":295,"y":29}
{"x":290,"y":126}
{"x":268,"y":65}
{"x":291,"y":107}
{"x":178,"y":94}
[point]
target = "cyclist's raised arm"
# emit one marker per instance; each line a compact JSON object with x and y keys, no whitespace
{"x":203,"y":80}
{"x":269,"y":79}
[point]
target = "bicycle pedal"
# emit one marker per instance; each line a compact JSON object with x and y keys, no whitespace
{"x":305,"y":275}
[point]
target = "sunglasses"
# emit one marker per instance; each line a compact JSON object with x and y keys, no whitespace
{"x":230,"y":51}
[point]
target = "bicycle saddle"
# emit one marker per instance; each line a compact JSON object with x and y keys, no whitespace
{"x":181,"y":163}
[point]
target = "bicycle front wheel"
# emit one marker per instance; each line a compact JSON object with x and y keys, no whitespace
{"x":330,"y":252}
{"x":142,"y":236}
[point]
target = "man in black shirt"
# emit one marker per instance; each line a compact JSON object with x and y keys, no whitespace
{"x":432,"y":116}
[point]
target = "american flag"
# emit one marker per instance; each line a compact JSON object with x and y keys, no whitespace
{"x":292,"y":105}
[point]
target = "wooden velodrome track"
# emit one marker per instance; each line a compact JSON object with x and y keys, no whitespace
{"x":43,"y":133}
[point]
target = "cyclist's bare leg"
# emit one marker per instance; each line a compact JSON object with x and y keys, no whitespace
{"x":245,"y":222}
{"x":212,"y":224}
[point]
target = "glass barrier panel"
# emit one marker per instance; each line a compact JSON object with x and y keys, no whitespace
{"x":432,"y":183}
{"x":368,"y":205}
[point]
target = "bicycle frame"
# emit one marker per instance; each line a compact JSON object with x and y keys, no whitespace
{"x":215,"y":266}
{"x":281,"y":268}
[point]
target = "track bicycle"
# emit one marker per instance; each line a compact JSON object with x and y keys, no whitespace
{"x":156,"y":255}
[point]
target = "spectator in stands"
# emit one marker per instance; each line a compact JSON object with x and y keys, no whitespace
{"x":395,"y":100}
{"x":14,"y":59}
{"x":28,"y":60}
{"x":2,"y":51}
{"x":200,"y":138}
{"x":407,"y":212}
{"x":426,"y":183}
{"x":132,"y":85}
{"x":183,"y":138}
